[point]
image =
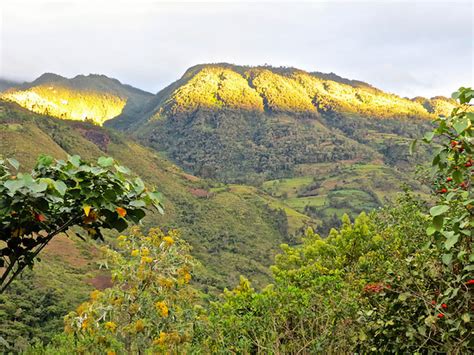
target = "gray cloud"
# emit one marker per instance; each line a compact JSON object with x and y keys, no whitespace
{"x":409,"y":48}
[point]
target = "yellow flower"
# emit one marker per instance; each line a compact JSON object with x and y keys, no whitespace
{"x":166,"y":283}
{"x":85,"y":324}
{"x":121,"y":238}
{"x":146,"y":259}
{"x":135,"y":252}
{"x":145,"y":252}
{"x":111,"y":352}
{"x":82,"y":308}
{"x":95,"y":294}
{"x":162,"y":308}
{"x":168,"y":240}
{"x":111,"y":326}
{"x":161,"y":340}
{"x":187,"y":277}
{"x":139,"y":326}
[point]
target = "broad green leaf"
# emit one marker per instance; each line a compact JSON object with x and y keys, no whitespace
{"x":438,"y":222}
{"x":14,"y":185}
{"x":137,"y":203}
{"x":470,"y":116}
{"x":430,"y":230}
{"x":123,"y":169}
{"x":60,"y":187}
{"x":447,"y":258}
{"x":75,"y":160}
{"x":451,"y":240}
{"x":439,"y":210}
{"x":460,"y":125}
{"x":105,"y":162}
{"x":428,"y":137}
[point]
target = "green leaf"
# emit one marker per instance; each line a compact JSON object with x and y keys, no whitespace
{"x":470,"y":116}
{"x":430,"y":230}
{"x":60,"y":187}
{"x":45,"y":160}
{"x":14,"y":185}
{"x":466,"y":317}
{"x":105,"y":162}
{"x":14,"y":163}
{"x":451,"y":240}
{"x":75,"y":160}
{"x":123,"y":169}
{"x":137,"y":203}
{"x":403,"y":296}
{"x":461,"y":124}
{"x":457,"y":176}
{"x":438,"y":210}
{"x":428,"y":137}
{"x":438,"y":222}
{"x":447,"y":258}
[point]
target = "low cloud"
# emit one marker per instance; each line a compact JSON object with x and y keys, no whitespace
{"x":409,"y":48}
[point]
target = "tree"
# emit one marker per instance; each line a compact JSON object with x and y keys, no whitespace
{"x":56,"y":195}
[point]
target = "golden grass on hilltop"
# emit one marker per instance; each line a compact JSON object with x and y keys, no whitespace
{"x":62,"y":102}
{"x":292,"y":90}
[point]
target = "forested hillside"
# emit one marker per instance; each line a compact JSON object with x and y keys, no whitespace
{"x":249,"y":124}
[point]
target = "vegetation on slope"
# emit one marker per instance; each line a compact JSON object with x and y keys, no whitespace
{"x":243,"y":124}
{"x":95,"y":98}
{"x":398,"y":280}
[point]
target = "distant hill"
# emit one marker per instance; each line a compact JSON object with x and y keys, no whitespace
{"x":244,"y":124}
{"x":213,"y":217}
{"x":8,"y":84}
{"x":95,"y":98}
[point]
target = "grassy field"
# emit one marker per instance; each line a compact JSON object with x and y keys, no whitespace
{"x":323,"y":191}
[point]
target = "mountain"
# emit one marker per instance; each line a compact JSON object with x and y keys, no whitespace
{"x":96,"y":98}
{"x":212,"y":216}
{"x":247,"y":124}
{"x":8,"y":84}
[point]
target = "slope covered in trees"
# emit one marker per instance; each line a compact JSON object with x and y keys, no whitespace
{"x":248,"y":124}
{"x":397,"y":280}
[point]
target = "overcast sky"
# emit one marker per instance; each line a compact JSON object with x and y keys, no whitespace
{"x":410,"y":48}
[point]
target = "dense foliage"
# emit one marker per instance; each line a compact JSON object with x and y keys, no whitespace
{"x":398,"y":280}
{"x":240,"y":124}
{"x":56,"y":195}
{"x":150,"y":305}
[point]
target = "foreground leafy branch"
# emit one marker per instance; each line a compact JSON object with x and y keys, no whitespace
{"x":56,"y":195}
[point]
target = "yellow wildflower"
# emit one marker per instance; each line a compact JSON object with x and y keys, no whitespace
{"x":82,"y":308}
{"x":95,"y":294}
{"x":161,"y":340}
{"x":111,"y":326}
{"x":166,"y":283}
{"x":187,"y":277}
{"x":146,"y":259}
{"x":145,"y":252}
{"x":111,"y":352}
{"x":162,"y":308}
{"x":85,"y":324}
{"x":135,"y":252}
{"x":139,"y":326}
{"x":121,"y":238}
{"x":168,"y":240}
